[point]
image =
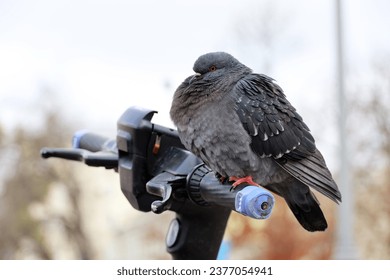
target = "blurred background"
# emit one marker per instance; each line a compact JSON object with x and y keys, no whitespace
{"x":70,"y":65}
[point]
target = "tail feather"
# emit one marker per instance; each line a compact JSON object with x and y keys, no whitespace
{"x":313,"y":172}
{"x":303,"y":204}
{"x":309,"y":215}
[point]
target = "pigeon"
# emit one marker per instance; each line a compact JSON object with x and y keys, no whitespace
{"x":241,"y":125}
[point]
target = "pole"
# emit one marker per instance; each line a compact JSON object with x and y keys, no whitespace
{"x":344,"y":247}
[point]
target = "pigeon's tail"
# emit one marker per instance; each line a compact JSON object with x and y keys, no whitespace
{"x":304,"y":205}
{"x":309,"y":213}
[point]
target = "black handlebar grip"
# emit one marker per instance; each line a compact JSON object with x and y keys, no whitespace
{"x":205,"y":189}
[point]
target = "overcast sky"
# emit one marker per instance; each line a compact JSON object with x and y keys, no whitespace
{"x":101,"y":57}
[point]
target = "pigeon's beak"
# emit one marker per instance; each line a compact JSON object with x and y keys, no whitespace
{"x":193,"y":78}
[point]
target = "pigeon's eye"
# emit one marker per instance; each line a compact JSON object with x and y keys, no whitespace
{"x":212,"y":68}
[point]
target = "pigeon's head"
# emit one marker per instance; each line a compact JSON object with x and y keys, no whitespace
{"x":211,"y":62}
{"x":213,"y":66}
{"x":216,"y":74}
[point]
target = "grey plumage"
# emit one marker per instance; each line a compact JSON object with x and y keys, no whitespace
{"x":241,"y":124}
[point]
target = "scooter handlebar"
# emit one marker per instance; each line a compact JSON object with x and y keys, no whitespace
{"x":205,"y":188}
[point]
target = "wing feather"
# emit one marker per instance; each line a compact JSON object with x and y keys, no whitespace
{"x":275,"y":126}
{"x":278,"y":131}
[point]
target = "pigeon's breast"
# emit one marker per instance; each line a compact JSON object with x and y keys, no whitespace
{"x":216,"y":135}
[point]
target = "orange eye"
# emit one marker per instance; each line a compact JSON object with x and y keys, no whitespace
{"x":212,"y":68}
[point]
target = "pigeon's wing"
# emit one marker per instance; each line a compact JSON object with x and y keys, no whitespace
{"x":276,"y":128}
{"x":278,"y":131}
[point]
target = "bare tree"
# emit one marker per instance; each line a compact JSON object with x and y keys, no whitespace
{"x":27,"y":184}
{"x":371,"y":160}
{"x":261,"y":31}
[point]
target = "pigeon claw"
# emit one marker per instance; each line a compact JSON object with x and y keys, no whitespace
{"x":221,"y":178}
{"x":238,"y":181}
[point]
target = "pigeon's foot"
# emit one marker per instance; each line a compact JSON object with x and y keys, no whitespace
{"x":238,"y":181}
{"x":221,"y":178}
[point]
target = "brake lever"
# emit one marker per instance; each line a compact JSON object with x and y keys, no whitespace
{"x":98,"y":159}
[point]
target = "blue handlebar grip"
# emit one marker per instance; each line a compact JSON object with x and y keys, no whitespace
{"x":254,"y":202}
{"x":77,"y":138}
